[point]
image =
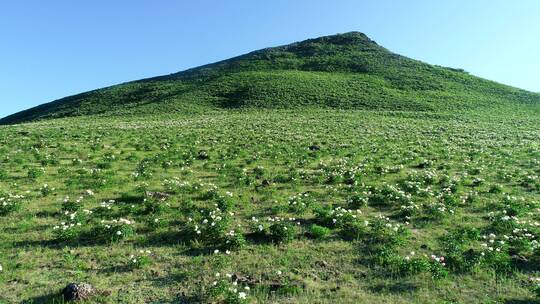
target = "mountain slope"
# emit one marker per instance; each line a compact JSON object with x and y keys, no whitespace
{"x":348,"y":71}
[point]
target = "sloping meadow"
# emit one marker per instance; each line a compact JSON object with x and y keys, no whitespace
{"x":273,"y":206}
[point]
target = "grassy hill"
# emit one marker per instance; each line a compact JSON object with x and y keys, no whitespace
{"x":349,"y":175}
{"x":345,"y":71}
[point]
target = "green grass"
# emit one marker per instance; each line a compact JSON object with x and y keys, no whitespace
{"x":379,"y":162}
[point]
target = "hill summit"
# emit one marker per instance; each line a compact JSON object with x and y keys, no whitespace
{"x":345,"y":71}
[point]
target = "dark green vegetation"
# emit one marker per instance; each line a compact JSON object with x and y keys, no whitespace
{"x":347,"y":71}
{"x":436,"y":204}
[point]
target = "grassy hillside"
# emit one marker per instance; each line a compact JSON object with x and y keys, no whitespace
{"x":346,"y":71}
{"x":303,"y":191}
{"x":326,"y":171}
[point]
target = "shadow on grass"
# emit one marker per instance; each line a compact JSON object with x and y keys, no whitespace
{"x":46,"y":299}
{"x":47,"y":213}
{"x":527,"y":266}
{"x":170,"y":279}
{"x":522,"y":301}
{"x":164,"y":238}
{"x":187,"y":299}
{"x":59,"y":299}
{"x":257,"y":238}
{"x":83,"y":241}
{"x":395,"y":288}
{"x":130,"y":199}
{"x":115,"y":269}
{"x":37,"y":243}
{"x":176,"y":239}
{"x":87,"y":239}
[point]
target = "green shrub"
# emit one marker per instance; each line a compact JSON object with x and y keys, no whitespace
{"x":412,"y":265}
{"x":259,"y":171}
{"x":357,"y":201}
{"x":353,"y":230}
{"x":139,"y":260}
{"x":156,"y":223}
{"x":35,"y":173}
{"x":234,"y":241}
{"x":46,"y":190}
{"x":536,"y":291}
{"x":459,"y":254}
{"x":72,"y":205}
{"x":226,"y":292}
{"x":282,"y":232}
{"x":114,"y":230}
{"x":154,"y":206}
{"x":437,"y":268}
{"x":214,"y":228}
{"x":9,"y":204}
{"x":319,"y":232}
{"x":382,"y":239}
{"x":67,"y":232}
{"x":300,"y":203}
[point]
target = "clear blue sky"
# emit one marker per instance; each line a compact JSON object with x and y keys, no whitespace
{"x":50,"y":49}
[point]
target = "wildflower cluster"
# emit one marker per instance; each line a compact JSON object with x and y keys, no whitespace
{"x":215,"y":228}
{"x":468,"y":249}
{"x":531,"y":181}
{"x":418,"y":182}
{"x":69,"y":205}
{"x":414,"y":264}
{"x":492,"y":243}
{"x":388,"y":195}
{"x":449,"y":184}
{"x":67,"y":231}
{"x":522,"y":235}
{"x":461,"y":250}
{"x":339,"y":171}
{"x":46,"y":190}
{"x":477,"y":181}
{"x":140,"y":259}
{"x":155,"y":223}
{"x":105,"y":207}
{"x":383,"y":237}
{"x":276,"y":229}
{"x":222,"y":201}
{"x":153,"y":205}
{"x":359,"y":199}
{"x":10,"y":203}
{"x":70,"y":227}
{"x":409,"y":210}
{"x":523,"y":240}
{"x":535,"y":285}
{"x":388,"y":169}
{"x":34,"y":173}
{"x":337,"y":217}
{"x":114,"y":230}
{"x":299,"y":203}
{"x":437,"y":210}
{"x":176,"y":185}
{"x":349,"y":222}
{"x":225,"y":289}
{"x":143,"y":170}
